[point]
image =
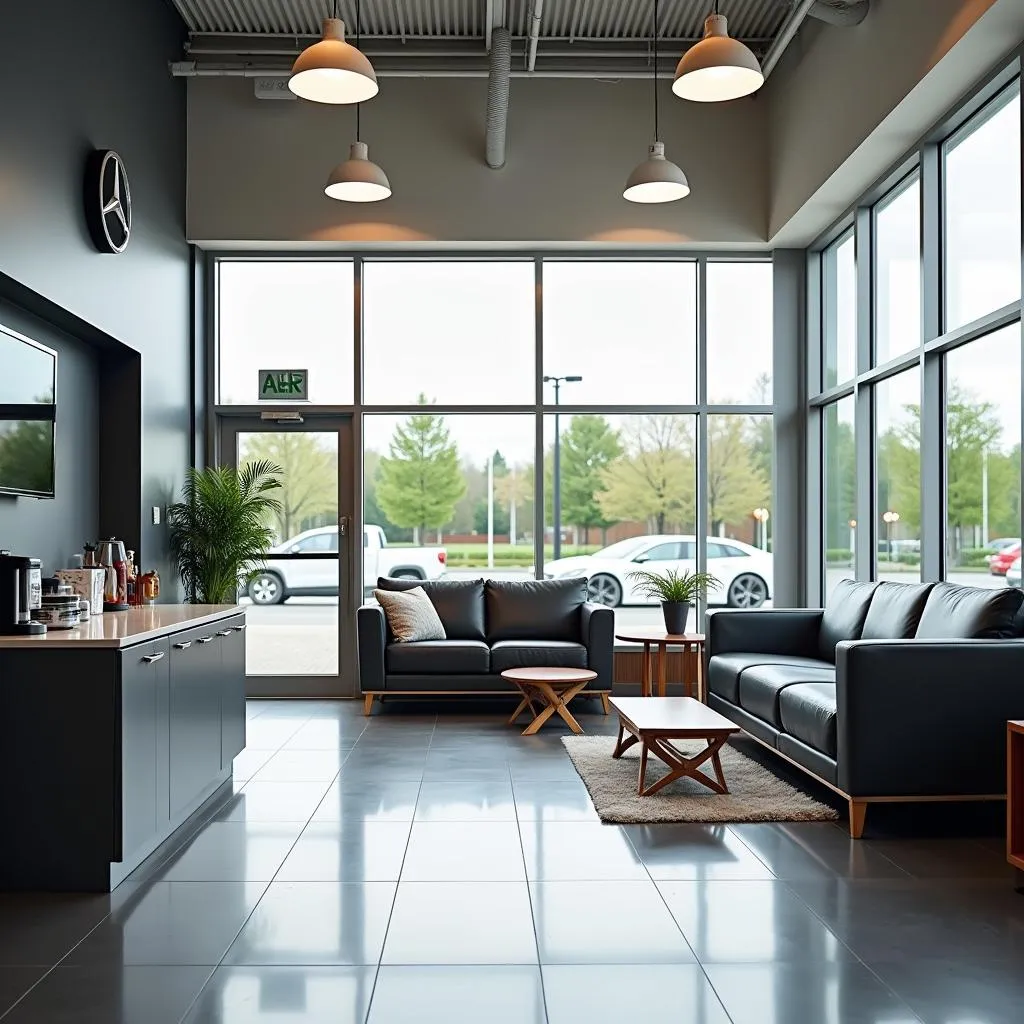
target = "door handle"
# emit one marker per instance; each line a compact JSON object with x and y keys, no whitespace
{"x":205,"y":639}
{"x":223,"y":632}
{"x":239,"y":629}
{"x":343,"y":522}
{"x":150,"y":658}
{"x":183,"y":646}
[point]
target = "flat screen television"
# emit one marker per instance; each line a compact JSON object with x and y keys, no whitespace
{"x":28,"y":416}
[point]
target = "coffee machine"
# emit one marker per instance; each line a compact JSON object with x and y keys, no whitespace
{"x":20,"y":594}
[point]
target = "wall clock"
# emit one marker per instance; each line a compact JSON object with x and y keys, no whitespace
{"x":108,"y":201}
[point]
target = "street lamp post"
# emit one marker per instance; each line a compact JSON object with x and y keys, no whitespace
{"x":761,"y":517}
{"x":556,"y":498}
{"x":889,"y":518}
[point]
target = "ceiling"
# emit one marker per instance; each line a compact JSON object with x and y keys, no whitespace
{"x":574,"y":38}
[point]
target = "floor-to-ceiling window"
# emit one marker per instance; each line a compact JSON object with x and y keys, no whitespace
{"x":916,"y":390}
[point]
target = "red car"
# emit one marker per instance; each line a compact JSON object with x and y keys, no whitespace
{"x":1002,"y":560}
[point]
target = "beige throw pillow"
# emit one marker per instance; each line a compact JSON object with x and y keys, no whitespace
{"x":411,"y":615}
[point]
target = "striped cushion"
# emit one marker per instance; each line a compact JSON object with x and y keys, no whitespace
{"x":410,"y":615}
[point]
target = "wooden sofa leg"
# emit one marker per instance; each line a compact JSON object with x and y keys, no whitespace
{"x":858,"y":809}
{"x":368,"y":704}
{"x":605,"y":706}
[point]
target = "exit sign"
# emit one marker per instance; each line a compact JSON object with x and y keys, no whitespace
{"x":284,"y":385}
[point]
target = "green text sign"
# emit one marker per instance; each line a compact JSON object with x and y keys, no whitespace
{"x":284,"y":385}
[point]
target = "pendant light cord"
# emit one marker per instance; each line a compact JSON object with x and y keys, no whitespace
{"x":655,"y":76}
{"x":359,"y":24}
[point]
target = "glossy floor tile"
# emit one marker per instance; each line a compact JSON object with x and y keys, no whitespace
{"x":553,"y":800}
{"x":461,"y":851}
{"x":282,"y":995}
{"x":695,"y":853}
{"x":466,"y":800}
{"x":458,"y":995}
{"x":568,"y":851}
{"x":301,"y":766}
{"x":232,"y":851}
{"x":275,"y":801}
{"x":16,"y":981}
{"x":356,"y":850}
{"x":40,"y":928}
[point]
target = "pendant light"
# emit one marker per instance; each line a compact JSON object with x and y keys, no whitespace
{"x":656,"y":180}
{"x":332,"y":70}
{"x":718,"y":67}
{"x":358,"y":179}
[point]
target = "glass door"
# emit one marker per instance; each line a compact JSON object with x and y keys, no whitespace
{"x":299,"y":607}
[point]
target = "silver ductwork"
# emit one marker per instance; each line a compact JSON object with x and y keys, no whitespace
{"x":498,"y":79}
{"x":840,"y":12}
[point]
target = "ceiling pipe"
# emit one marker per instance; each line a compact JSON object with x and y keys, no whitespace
{"x":497,"y":96}
{"x":845,"y":13}
{"x":796,"y":17}
{"x":534,"y":37}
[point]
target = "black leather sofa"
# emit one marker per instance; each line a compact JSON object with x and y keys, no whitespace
{"x":491,"y":625}
{"x":892,"y":692}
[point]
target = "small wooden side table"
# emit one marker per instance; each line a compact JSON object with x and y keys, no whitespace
{"x":1015,"y":799}
{"x":693,"y":655}
{"x":553,"y":687}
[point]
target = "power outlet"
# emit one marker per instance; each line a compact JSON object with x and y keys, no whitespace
{"x":156,"y":515}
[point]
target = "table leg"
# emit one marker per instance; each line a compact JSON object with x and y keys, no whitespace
{"x":662,"y":670}
{"x":647,"y":678}
{"x":624,"y":742}
{"x":556,"y":702}
{"x":681,"y":766}
{"x":643,"y":769}
{"x":525,"y":703}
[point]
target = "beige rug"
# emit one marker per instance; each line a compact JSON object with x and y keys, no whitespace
{"x":755,"y":794}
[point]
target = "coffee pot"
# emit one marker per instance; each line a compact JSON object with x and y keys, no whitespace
{"x":115,"y":587}
{"x":20,"y":595}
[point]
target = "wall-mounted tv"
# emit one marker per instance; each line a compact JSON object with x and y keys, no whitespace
{"x":28,"y":416}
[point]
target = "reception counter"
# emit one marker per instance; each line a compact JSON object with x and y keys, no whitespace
{"x":111,"y":736}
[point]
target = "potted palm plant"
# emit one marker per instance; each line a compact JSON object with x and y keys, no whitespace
{"x":218,"y":532}
{"x":676,"y":591}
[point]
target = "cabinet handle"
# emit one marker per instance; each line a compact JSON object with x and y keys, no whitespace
{"x":205,"y":639}
{"x":183,"y":646}
{"x":150,"y":658}
{"x":239,"y":629}
{"x":224,"y":632}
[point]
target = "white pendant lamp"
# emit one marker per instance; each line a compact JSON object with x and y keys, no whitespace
{"x":717,"y":68}
{"x":656,"y":179}
{"x":332,"y":70}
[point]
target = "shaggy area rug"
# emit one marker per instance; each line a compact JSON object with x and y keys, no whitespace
{"x":755,"y":794}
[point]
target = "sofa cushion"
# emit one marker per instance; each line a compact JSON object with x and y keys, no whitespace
{"x":808,"y":712}
{"x":534,"y":609}
{"x":459,"y":604}
{"x":895,"y":611}
{"x":845,"y":611}
{"x":537,"y":654}
{"x":724,"y":670}
{"x":953,"y":612}
{"x":761,"y":686}
{"x":438,"y":657}
{"x":410,"y":615}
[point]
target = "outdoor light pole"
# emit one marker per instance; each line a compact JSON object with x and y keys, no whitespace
{"x":556,"y":498}
{"x":889,"y":518}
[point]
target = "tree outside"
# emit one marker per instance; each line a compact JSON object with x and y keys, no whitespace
{"x":737,"y":480}
{"x":588,"y":447}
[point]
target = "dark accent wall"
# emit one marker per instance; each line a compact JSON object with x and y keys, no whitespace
{"x":122,"y":324}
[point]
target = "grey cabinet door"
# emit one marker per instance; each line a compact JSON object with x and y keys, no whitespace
{"x":194,"y":710}
{"x":232,"y":693}
{"x":143,"y":675}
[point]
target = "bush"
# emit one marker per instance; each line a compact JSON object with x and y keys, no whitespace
{"x":838,"y":556}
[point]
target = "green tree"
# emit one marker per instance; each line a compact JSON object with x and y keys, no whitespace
{"x":736,"y":480}
{"x":514,"y":490}
{"x":420,"y":481}
{"x":653,"y":481}
{"x":26,"y":455}
{"x":588,"y":446}
{"x":372,"y":512}
{"x":308,"y":474}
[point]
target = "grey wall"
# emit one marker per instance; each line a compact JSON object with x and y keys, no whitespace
{"x":104,"y":83}
{"x":257,"y":167}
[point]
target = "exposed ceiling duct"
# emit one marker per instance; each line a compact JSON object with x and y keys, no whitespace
{"x":844,"y":13}
{"x":497,"y":96}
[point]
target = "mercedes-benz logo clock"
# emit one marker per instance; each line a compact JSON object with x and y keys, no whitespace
{"x":108,"y":201}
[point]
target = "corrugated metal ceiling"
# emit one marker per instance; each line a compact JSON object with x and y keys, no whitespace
{"x":467,"y":19}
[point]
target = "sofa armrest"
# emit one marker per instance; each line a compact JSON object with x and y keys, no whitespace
{"x":371,"y":640}
{"x":791,"y":631}
{"x":598,"y":627}
{"x":926,"y":717}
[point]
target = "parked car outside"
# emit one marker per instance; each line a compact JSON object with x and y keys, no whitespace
{"x":318,"y":577}
{"x":745,"y":571}
{"x":1000,"y":544}
{"x":1002,"y":560}
{"x":1013,"y":574}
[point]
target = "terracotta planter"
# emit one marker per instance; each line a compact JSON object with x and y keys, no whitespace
{"x":676,"y":613}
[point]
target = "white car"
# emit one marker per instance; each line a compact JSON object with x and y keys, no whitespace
{"x":745,"y":571}
{"x":318,"y":577}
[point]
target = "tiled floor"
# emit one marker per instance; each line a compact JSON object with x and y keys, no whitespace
{"x":421,"y":867}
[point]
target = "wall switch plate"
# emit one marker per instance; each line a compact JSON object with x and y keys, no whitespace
{"x":156,"y":515}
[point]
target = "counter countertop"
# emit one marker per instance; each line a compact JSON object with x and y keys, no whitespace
{"x":122,"y":629}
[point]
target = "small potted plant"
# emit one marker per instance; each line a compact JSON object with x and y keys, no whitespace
{"x":676,"y":591}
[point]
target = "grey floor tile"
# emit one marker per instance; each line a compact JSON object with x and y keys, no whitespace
{"x":466,"y":800}
{"x":444,"y":761}
{"x":497,"y":994}
{"x":40,"y":928}
{"x":944,"y":858}
{"x":944,"y":991}
{"x":275,"y":801}
{"x":579,"y":850}
{"x":111,"y":994}
{"x":371,"y":800}
{"x":810,"y":993}
{"x":695,"y":852}
{"x":316,"y":923}
{"x":327,"y":734}
{"x":605,"y":923}
{"x":356,"y":850}
{"x":613,"y":993}
{"x":289,"y":765}
{"x":283,"y":995}
{"x":171,"y":923}
{"x":550,"y":769}
{"x":461,"y":851}
{"x":553,"y":800}
{"x":811,"y":850}
{"x":16,"y":981}
{"x":455,"y":923}
{"x":249,"y":762}
{"x":231,"y":851}
{"x":773,"y":923}
{"x":270,"y":733}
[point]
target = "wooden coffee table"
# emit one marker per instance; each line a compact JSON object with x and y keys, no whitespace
{"x":653,"y":723}
{"x":693,"y":654}
{"x":554,"y":687}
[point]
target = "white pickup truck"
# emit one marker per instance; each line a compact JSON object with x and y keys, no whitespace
{"x":318,"y":577}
